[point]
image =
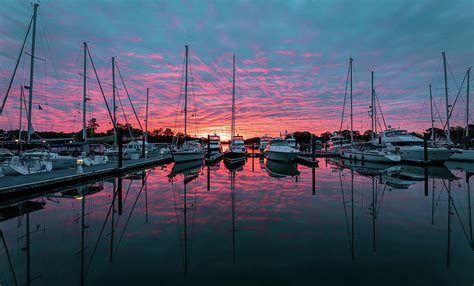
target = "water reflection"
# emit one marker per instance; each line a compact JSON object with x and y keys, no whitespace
{"x":173,"y":222}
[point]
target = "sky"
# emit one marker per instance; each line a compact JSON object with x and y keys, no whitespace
{"x":291,"y":62}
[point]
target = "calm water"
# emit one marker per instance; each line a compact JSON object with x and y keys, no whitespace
{"x":362,"y":225}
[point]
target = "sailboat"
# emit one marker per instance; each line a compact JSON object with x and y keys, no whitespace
{"x":466,"y":153}
{"x":189,"y":150}
{"x":371,"y":155}
{"x":237,"y":152}
{"x":24,"y":164}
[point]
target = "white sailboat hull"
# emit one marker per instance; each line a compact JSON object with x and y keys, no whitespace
{"x":186,"y":156}
{"x":26,"y":167}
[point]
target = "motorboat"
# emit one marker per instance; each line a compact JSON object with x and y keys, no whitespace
{"x":292,"y":142}
{"x":410,"y":147}
{"x":237,"y":151}
{"x":337,"y":141}
{"x":264,"y":142}
{"x":214,"y":144}
{"x":279,"y":150}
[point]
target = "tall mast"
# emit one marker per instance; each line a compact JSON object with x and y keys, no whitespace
{"x":352,"y":121}
{"x":232,"y":135}
{"x":186,"y":94}
{"x":373,"y":105}
{"x":448,"y":131}
{"x":113,"y":103}
{"x":21,"y":114}
{"x":467,"y":106}
{"x":84,"y":96}
{"x":32,"y":69}
{"x":432,"y":120}
{"x":146,"y":114}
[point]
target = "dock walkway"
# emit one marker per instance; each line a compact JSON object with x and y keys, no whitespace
{"x":65,"y":177}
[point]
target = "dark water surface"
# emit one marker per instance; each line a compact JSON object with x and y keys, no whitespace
{"x":357,"y":225}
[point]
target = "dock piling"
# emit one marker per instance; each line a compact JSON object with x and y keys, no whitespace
{"x":208,"y":146}
{"x":425,"y":146}
{"x":120,"y":147}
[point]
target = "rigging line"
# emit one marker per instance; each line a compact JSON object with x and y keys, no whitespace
{"x":460,"y":221}
{"x":50,"y":50}
{"x":100,"y":86}
{"x":345,"y":97}
{"x":457,"y":96}
{"x":100,"y":235}
{"x":123,"y":201}
{"x":123,"y":112}
{"x":128,"y":95}
{"x":128,"y":219}
{"x":380,"y":109}
{"x":345,"y":211}
{"x":452,"y":75}
{"x":16,"y":66}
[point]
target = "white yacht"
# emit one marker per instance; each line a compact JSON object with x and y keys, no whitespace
{"x":264,"y":142}
{"x":215,"y":144}
{"x":292,"y":142}
{"x":409,"y":147}
{"x":337,"y":141}
{"x":279,"y":150}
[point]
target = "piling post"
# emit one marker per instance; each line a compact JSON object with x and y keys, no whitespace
{"x":208,"y":146}
{"x":426,"y":182}
{"x":120,"y":148}
{"x":143,"y":147}
{"x":425,"y":146}
{"x":313,"y":147}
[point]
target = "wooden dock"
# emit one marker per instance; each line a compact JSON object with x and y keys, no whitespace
{"x":67,"y":177}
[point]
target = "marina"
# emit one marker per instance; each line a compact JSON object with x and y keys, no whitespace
{"x":236,"y":143}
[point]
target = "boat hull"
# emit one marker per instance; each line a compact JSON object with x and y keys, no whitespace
{"x":281,"y":156}
{"x":381,"y":157}
{"x":463,"y":155}
{"x":26,"y":168}
{"x":183,"y":156}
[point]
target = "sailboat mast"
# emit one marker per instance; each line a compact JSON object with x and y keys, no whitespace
{"x":431,"y":114}
{"x":32,"y":69}
{"x":352,"y":121}
{"x":232,"y":135}
{"x":146,"y":114}
{"x":448,"y":131}
{"x":373,"y":105}
{"x":113,"y":103}
{"x":84,"y":95}
{"x":21,"y":114}
{"x":467,"y":106}
{"x":186,"y":94}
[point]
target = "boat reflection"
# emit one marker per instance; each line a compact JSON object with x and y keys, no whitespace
{"x":235,"y":165}
{"x":279,"y":169}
